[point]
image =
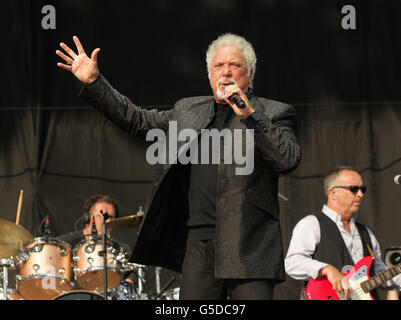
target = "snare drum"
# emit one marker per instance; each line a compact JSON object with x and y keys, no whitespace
{"x":89,"y":264}
{"x":45,"y":269}
{"x":79,"y":295}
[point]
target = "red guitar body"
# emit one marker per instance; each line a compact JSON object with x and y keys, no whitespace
{"x":322,"y":289}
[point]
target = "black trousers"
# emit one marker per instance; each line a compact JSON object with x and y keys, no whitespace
{"x":199,"y":283}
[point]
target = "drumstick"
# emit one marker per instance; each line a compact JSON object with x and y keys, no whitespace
{"x":19,"y":206}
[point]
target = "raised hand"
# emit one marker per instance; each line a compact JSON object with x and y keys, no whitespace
{"x":85,"y":69}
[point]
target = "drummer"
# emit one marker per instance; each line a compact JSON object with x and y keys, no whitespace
{"x":94,"y":208}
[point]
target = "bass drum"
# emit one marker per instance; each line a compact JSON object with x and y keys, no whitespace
{"x":79,"y":295}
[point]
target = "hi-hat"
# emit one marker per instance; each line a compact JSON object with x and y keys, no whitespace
{"x":128,"y":222}
{"x":11,"y":237}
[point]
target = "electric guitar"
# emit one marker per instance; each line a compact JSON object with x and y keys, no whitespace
{"x":359,"y":280}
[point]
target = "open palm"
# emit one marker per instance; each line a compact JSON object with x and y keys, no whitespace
{"x":85,"y":69}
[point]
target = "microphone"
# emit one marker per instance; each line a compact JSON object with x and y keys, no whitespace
{"x":397,"y":179}
{"x":238,"y":101}
{"x":105,"y":215}
{"x":93,"y":230}
{"x":47,"y":226}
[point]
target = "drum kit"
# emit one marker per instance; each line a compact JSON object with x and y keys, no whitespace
{"x":50,"y":269}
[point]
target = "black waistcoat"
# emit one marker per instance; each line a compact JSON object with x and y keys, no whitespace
{"x":332,"y":249}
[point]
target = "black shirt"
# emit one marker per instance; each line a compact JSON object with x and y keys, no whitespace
{"x":203,"y":184}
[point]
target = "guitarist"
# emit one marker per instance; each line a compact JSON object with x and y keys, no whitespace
{"x":324,"y":244}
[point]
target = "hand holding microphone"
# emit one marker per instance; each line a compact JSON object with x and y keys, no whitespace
{"x":240,"y":107}
{"x":235,"y":98}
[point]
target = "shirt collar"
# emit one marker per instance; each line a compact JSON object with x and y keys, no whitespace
{"x":334,"y":216}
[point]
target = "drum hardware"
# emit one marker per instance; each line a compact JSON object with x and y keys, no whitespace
{"x":141,"y":281}
{"x":124,"y":291}
{"x":157,"y":277}
{"x":172,"y":294}
{"x":132,"y":221}
{"x":104,"y":252}
{"x":11,"y":295}
{"x":5,"y":264}
{"x":12,"y":235}
{"x":166,"y":286}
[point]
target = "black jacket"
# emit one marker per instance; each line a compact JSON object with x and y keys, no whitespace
{"x":248,"y":235}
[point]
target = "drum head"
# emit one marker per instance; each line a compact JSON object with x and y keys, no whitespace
{"x":79,"y":295}
{"x":94,"y":280}
{"x":33,"y":289}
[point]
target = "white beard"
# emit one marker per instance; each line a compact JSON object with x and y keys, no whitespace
{"x":219,"y":93}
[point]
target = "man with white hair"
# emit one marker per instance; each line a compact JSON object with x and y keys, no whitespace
{"x":219,"y":229}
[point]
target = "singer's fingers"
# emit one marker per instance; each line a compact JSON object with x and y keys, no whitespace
{"x":64,"y":57}
{"x":64,"y":66}
{"x":78,"y":44}
{"x":230,"y":90}
{"x":68,"y":50}
{"x":94,"y":54}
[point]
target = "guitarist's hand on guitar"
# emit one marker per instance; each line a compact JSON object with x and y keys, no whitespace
{"x":336,"y":279}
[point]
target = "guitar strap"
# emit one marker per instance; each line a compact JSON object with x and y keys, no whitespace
{"x":367,"y":251}
{"x":366,"y":241}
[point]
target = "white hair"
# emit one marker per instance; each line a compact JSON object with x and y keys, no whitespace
{"x":230,"y":39}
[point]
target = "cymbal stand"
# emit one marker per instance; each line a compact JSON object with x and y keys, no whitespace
{"x":5,"y":264}
{"x":157,"y":277}
{"x":141,"y":282}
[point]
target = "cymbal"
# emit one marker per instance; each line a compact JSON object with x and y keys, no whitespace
{"x":128,"y":222}
{"x":11,"y":236}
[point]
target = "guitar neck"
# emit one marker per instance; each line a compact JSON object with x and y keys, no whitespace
{"x":381,"y":278}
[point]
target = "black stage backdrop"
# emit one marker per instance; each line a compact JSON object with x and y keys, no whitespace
{"x":345,"y":85}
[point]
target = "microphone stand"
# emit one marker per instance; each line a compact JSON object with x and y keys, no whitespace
{"x":104,"y":242}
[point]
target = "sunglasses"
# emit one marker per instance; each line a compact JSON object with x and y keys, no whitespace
{"x":353,"y":189}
